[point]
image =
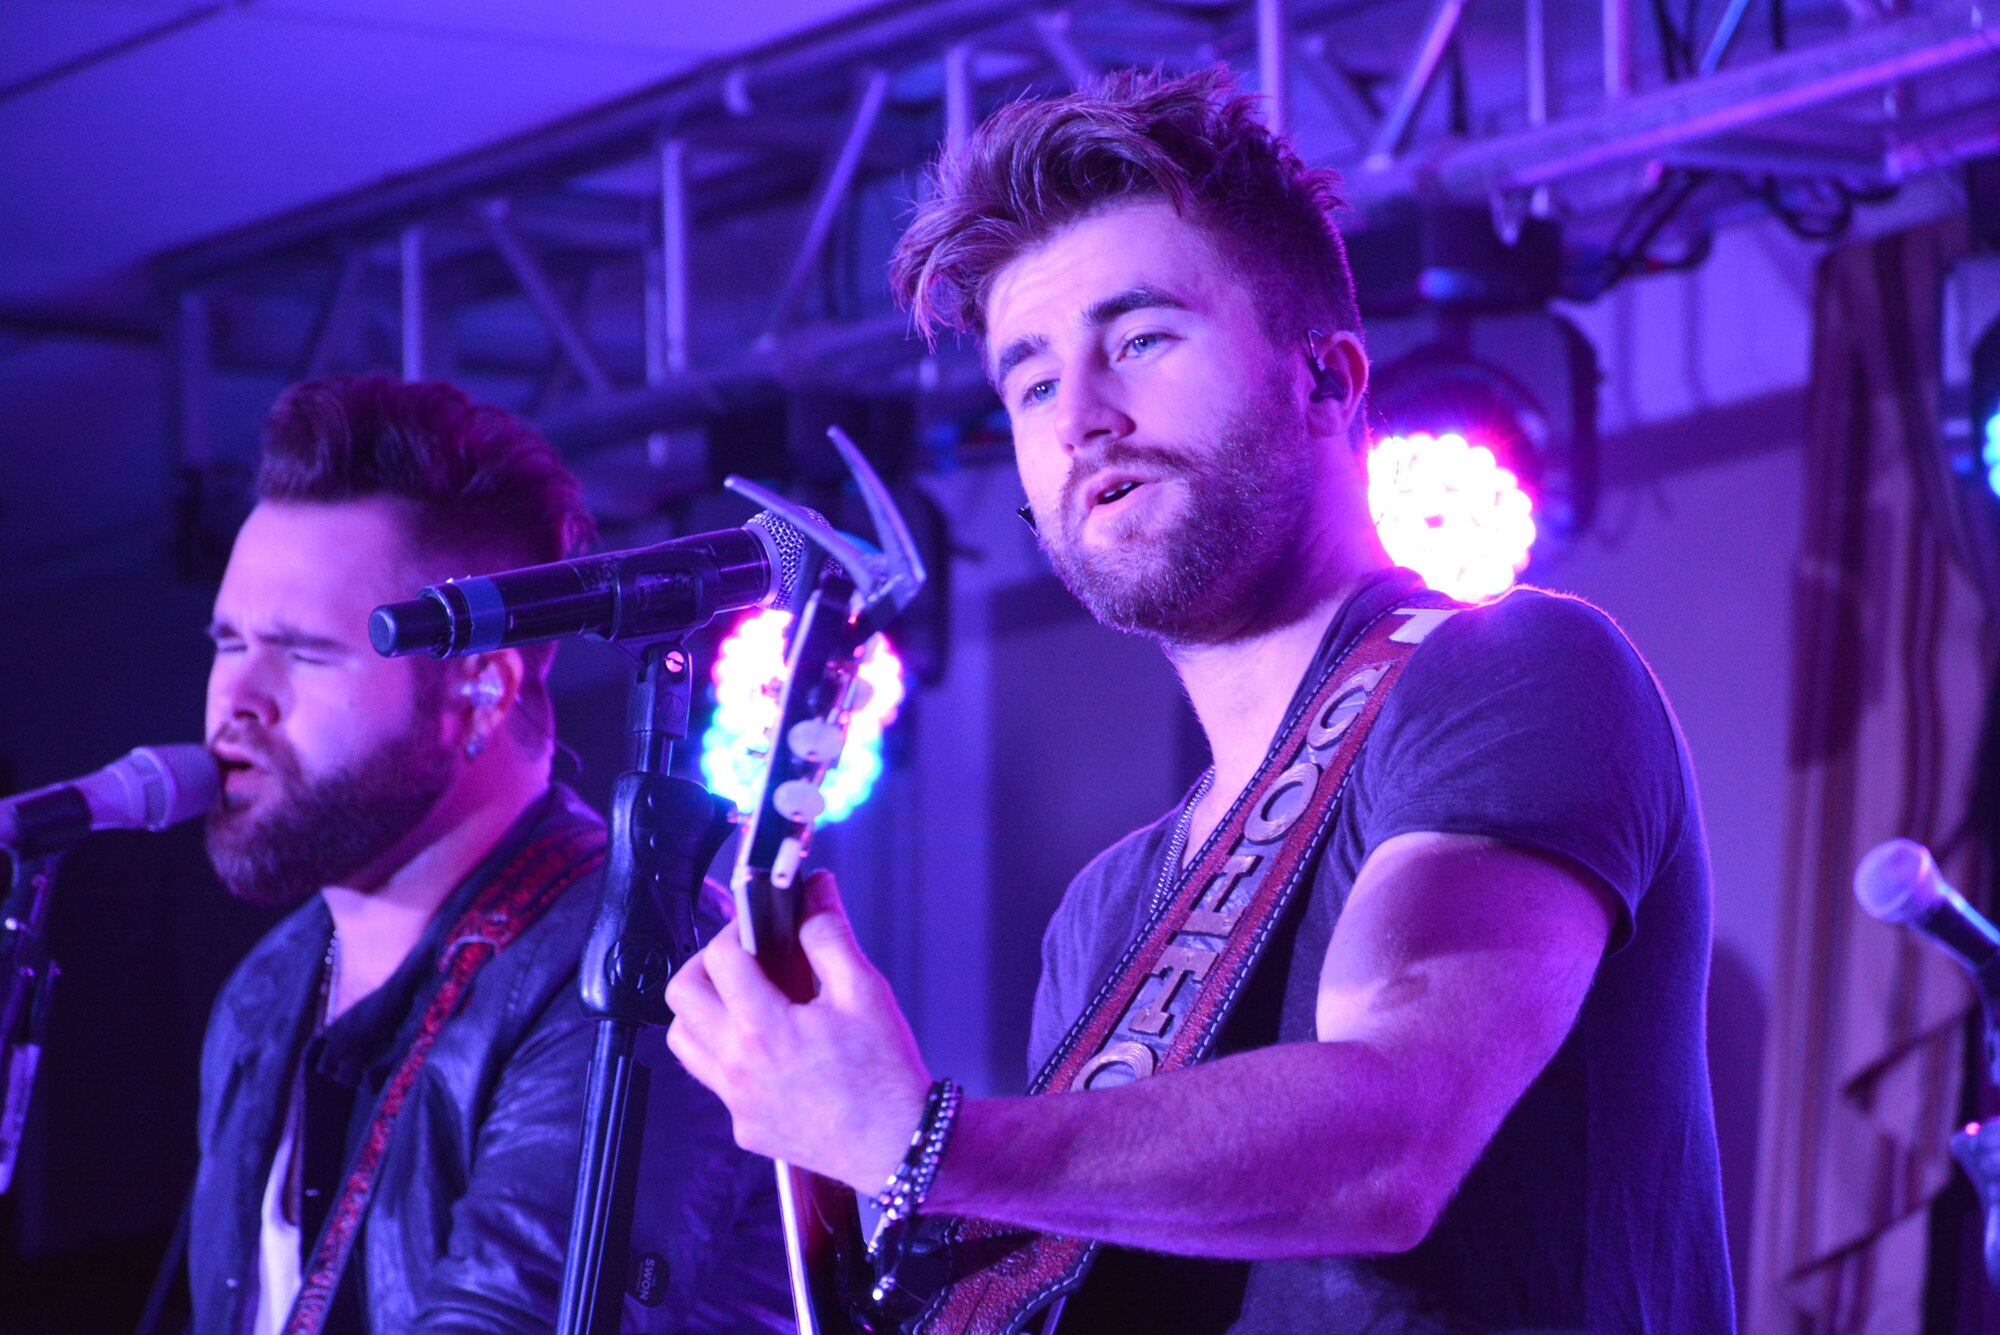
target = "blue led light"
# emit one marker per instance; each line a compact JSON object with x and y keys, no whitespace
{"x":1989,"y":451}
{"x":748,"y":669}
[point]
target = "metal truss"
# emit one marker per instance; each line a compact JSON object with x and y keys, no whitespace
{"x":609,"y":275}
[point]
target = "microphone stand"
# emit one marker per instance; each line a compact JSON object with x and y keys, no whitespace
{"x":27,"y":988}
{"x":665,"y":831}
{"x":1977,"y":1145}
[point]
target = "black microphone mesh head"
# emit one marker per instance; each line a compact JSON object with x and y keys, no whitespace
{"x":179,"y":782}
{"x":793,"y":552}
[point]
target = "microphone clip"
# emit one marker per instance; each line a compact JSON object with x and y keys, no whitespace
{"x":886,"y":579}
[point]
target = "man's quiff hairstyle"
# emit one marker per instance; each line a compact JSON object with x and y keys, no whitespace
{"x":483,"y":490}
{"x":1035,"y":167}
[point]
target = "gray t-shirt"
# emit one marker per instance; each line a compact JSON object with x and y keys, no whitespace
{"x":1598,"y":1205}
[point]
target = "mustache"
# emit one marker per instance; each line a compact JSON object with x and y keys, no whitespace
{"x":253,"y":742}
{"x":1116,"y":454}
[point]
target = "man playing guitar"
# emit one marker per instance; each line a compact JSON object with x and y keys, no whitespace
{"x":1465,"y":1086}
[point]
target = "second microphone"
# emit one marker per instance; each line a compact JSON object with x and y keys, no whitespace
{"x":650,"y":591}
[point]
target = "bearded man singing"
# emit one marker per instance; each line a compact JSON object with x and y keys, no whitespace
{"x":392,"y":1080}
{"x":1463,"y":1086}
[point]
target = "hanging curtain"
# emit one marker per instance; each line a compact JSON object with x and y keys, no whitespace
{"x":1866,"y":1054}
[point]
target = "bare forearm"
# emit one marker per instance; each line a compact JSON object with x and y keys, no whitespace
{"x":1305,"y":1149}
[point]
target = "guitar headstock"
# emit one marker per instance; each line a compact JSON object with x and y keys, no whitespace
{"x":858,"y":593}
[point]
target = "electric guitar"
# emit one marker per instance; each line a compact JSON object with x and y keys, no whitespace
{"x":856,"y":595}
{"x":836,"y":1286}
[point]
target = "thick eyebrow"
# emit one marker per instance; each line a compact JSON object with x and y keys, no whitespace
{"x":282,"y":635}
{"x":1099,"y":314}
{"x":1014,"y":354}
{"x":1140,"y":298}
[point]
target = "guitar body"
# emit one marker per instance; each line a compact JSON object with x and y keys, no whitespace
{"x":825,"y":1253}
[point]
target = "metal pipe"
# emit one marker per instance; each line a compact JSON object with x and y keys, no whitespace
{"x":1272,"y":66}
{"x":1617,"y":48}
{"x":112,"y":50}
{"x":1337,"y":91}
{"x":1053,"y":31}
{"x":1416,"y":80}
{"x":193,"y":364}
{"x":1650,"y":123}
{"x":1535,"y":50}
{"x":833,"y":190}
{"x":1941,"y":144}
{"x":1722,"y":35}
{"x":674,"y":304}
{"x":958,"y":97}
{"x":1764,"y":157}
{"x":880,"y":34}
{"x":410,"y":257}
{"x":335,"y":316}
{"x":689,"y":400}
{"x":542,"y":296}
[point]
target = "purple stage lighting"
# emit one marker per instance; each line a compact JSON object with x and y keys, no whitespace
{"x":1446,"y":509}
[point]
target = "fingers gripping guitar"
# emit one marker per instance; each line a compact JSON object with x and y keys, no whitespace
{"x":834,"y":1084}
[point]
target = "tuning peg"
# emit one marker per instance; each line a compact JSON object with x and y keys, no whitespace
{"x":815,"y":741}
{"x":798,"y":801}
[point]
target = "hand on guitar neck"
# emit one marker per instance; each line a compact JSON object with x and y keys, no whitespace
{"x":834,"y":1084}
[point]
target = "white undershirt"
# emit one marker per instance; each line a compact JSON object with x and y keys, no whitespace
{"x":278,"y":1244}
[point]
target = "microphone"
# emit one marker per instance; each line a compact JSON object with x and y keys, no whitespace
{"x":148,"y":789}
{"x":1898,"y":882}
{"x":674,"y":586}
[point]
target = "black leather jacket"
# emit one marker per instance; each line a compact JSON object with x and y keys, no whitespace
{"x":470,"y":1215}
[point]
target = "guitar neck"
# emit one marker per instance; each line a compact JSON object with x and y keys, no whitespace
{"x":771,"y":932}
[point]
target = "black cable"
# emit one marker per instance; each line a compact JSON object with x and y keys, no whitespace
{"x":1674,"y":54}
{"x":1461,"y":101}
{"x":1813,"y":210}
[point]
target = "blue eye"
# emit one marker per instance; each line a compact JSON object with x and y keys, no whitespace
{"x":1038,"y":392}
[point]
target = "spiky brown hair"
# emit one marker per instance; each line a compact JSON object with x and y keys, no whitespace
{"x":1036,"y":166}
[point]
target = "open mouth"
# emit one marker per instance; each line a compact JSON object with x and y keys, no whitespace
{"x":1113,"y":494}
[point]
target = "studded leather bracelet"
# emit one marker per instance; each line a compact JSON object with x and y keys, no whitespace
{"x":911,"y":1182}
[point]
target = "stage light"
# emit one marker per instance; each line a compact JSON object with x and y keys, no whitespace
{"x":749,"y":670}
{"x":1989,"y":452}
{"x":1446,"y":509}
{"x":1485,"y":446}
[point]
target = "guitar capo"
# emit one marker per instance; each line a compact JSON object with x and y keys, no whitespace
{"x":885,"y":580}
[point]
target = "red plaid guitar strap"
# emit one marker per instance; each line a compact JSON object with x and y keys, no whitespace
{"x":1167,"y":999}
{"x":535,"y":878}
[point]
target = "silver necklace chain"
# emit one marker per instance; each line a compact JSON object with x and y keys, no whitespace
{"x":1170,"y":869}
{"x":329,"y":978}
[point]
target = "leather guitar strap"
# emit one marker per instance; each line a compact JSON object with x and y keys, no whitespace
{"x":533,"y":880}
{"x":1168,"y":998}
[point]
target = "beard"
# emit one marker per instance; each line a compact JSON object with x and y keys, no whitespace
{"x":323,"y":830}
{"x":1205,"y":578}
